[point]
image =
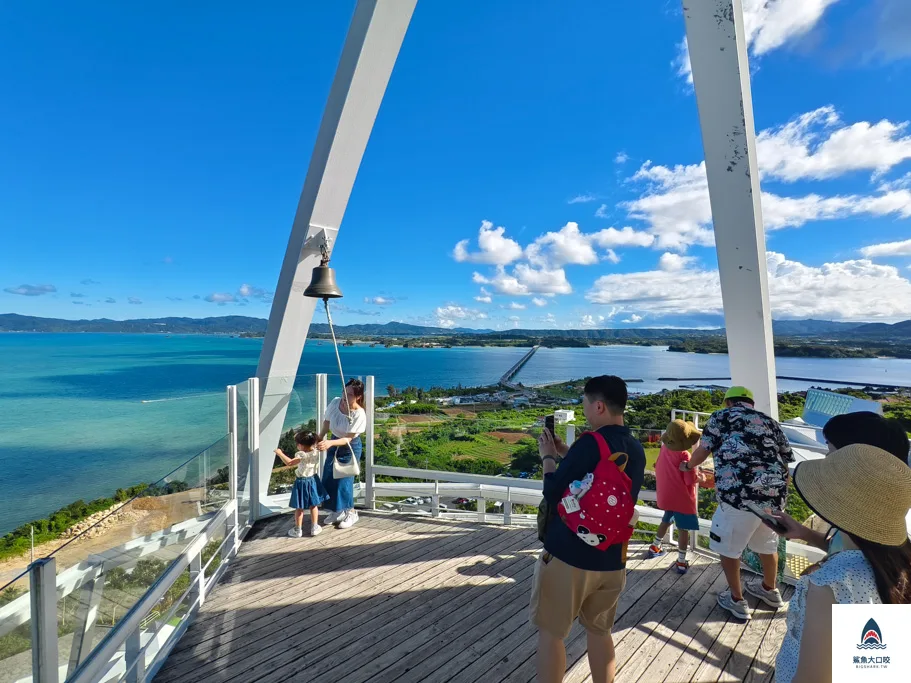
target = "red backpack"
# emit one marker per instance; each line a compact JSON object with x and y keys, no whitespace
{"x":599,"y":508}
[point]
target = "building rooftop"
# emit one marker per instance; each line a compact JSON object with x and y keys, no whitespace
{"x":408,"y":598}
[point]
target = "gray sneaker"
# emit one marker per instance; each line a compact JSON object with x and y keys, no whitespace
{"x":331,"y":518}
{"x":739,"y":609}
{"x":772,"y":598}
{"x":295,"y":532}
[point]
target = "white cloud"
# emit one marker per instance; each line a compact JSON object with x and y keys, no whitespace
{"x":250,"y":292}
{"x":516,"y":306}
{"x":539,"y":301}
{"x":495,"y":247}
{"x":379,"y":300}
{"x":110,"y":300}
{"x":676,"y":207}
{"x":134,"y":300}
{"x":526,"y":280}
{"x":625,"y":237}
{"x":602,"y":212}
{"x":448,"y":316}
{"x":483,"y":299}
{"x":549,"y":319}
{"x":902,"y":248}
{"x":582,"y":199}
{"x":31,"y":290}
{"x":571,"y":246}
{"x":621,"y":158}
{"x":848,"y":290}
{"x":673,"y":263}
{"x":515,"y":320}
{"x":817,"y":145}
{"x":591,"y":320}
{"x":221,"y":298}
{"x":768,"y":24}
{"x":633,"y":319}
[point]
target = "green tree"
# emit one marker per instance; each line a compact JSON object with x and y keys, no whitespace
{"x":526,"y":458}
{"x":390,"y":390}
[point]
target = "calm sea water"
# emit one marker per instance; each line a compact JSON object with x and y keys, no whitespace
{"x":84,"y":414}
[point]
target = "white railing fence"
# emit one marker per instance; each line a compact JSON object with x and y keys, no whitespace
{"x":137,"y":644}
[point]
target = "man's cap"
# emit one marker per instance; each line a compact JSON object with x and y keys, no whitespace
{"x":739,"y":394}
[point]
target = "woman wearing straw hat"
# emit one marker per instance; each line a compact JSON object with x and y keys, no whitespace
{"x":865,"y":494}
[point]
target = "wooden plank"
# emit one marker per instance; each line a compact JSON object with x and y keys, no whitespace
{"x":741,"y":660}
{"x":309,"y":587}
{"x":642,"y":574}
{"x":717,"y":656}
{"x":628,"y":632}
{"x":763,"y":667}
{"x":676,"y":643}
{"x":391,"y":629}
{"x":431,"y":641}
{"x":640,"y":647}
{"x":319,"y":596}
{"x":285,"y":621}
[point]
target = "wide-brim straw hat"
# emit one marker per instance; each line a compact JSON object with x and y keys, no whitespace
{"x":862,"y":490}
{"x":680,"y":435}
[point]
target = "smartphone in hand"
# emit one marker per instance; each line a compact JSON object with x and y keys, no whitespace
{"x":766,"y":518}
{"x":549,"y":425}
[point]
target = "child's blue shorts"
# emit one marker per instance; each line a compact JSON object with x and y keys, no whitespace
{"x":681,"y":520}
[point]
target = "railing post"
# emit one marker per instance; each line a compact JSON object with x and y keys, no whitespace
{"x":507,"y":507}
{"x":43,"y":591}
{"x":197,"y":577}
{"x":696,"y":420}
{"x":482,"y":510}
{"x":253,"y":431}
{"x":369,"y":478}
{"x":233,"y":521}
{"x":435,"y":500}
{"x":135,"y":657}
{"x":322,"y":400}
{"x":673,"y":414}
{"x":570,"y":434}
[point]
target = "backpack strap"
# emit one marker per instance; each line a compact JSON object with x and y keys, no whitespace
{"x":619,"y":459}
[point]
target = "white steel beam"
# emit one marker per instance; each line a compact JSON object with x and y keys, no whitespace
{"x":721,"y":77}
{"x":368,"y":57}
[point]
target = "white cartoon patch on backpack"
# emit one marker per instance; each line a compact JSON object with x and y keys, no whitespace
{"x":587,"y":536}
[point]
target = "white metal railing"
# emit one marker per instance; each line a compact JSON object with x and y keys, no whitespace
{"x":679,"y":413}
{"x":139,"y":642}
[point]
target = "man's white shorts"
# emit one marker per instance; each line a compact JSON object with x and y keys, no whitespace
{"x":733,"y":530}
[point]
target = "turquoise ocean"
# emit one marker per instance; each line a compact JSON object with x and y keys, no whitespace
{"x":84,"y":414}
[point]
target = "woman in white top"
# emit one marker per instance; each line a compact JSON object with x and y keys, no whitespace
{"x":345,"y":421}
{"x":865,"y":494}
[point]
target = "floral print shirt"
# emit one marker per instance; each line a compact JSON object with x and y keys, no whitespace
{"x":751,"y":456}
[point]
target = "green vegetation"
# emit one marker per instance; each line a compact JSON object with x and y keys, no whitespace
{"x":797,"y":348}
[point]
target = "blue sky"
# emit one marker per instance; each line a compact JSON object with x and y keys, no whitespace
{"x":527,"y":168}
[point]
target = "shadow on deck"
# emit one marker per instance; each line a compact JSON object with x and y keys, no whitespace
{"x":400,"y":598}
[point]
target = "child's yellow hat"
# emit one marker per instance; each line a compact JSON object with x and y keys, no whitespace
{"x":680,"y":435}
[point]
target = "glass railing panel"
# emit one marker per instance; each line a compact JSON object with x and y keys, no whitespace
{"x":15,"y":629}
{"x":296,"y":398}
{"x":108,"y":567}
{"x":243,"y":453}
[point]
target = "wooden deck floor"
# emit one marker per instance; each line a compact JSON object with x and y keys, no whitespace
{"x":399,"y":598}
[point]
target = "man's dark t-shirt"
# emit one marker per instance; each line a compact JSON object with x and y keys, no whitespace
{"x":582,"y":458}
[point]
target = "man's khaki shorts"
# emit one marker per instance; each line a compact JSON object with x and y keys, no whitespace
{"x":562,"y":592}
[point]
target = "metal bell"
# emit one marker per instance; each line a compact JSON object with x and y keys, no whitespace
{"x":322,"y":284}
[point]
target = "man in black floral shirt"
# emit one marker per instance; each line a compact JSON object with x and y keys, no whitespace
{"x":751,"y":456}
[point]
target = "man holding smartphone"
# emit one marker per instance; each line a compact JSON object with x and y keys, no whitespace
{"x":751,"y":456}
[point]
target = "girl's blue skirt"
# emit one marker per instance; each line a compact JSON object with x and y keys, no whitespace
{"x":308,"y":492}
{"x":341,"y":491}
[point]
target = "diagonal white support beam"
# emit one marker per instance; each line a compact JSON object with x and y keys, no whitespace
{"x":371,"y":47}
{"x":721,"y":77}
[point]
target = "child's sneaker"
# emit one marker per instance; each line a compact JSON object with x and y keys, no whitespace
{"x":682,"y":567}
{"x":295,"y":532}
{"x":772,"y":598}
{"x":739,"y":608}
{"x":656,"y":551}
{"x":316,"y":530}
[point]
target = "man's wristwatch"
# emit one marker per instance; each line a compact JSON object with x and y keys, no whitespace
{"x":549,"y":457}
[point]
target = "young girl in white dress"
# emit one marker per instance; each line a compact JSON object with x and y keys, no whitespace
{"x":308,"y":492}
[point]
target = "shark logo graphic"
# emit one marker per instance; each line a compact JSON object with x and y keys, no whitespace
{"x":872,"y":638}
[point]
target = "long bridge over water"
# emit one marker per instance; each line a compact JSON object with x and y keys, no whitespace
{"x":506,"y":379}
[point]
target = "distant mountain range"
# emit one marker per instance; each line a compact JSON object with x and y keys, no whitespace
{"x":238,"y":324}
